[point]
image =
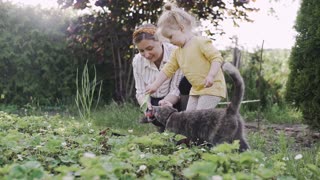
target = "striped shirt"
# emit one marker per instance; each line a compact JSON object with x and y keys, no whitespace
{"x":146,"y":72}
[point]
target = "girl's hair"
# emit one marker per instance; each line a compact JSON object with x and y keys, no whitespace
{"x":174,"y":17}
{"x":145,"y":31}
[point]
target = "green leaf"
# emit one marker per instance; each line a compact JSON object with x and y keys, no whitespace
{"x":314,"y":169}
{"x":144,"y":105}
{"x":200,"y":170}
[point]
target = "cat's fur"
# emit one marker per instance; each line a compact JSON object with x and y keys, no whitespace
{"x":213,"y":126}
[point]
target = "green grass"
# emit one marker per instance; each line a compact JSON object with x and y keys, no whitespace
{"x":284,"y":149}
{"x":122,"y":117}
{"x":280,"y":151}
{"x":274,"y":114}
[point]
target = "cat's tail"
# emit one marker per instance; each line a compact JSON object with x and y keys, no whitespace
{"x":238,"y":91}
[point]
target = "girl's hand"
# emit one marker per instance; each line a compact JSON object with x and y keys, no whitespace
{"x":150,"y":89}
{"x":208,"y":82}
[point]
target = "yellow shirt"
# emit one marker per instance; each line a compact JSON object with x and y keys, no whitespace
{"x":195,"y":61}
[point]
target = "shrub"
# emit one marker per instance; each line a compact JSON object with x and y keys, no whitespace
{"x":303,"y":88}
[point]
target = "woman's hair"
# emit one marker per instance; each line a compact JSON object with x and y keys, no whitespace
{"x":145,"y":31}
{"x":174,"y":17}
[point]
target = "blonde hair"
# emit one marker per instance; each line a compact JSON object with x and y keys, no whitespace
{"x":145,"y":31}
{"x":174,"y":17}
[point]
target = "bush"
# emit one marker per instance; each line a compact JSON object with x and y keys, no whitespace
{"x":36,"y":65}
{"x":303,"y":89}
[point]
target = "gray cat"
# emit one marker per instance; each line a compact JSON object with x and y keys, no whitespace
{"x":213,"y":126}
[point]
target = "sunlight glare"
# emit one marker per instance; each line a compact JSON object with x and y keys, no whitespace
{"x":42,"y":3}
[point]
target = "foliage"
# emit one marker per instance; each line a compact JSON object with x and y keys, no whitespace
{"x":304,"y":79}
{"x":264,"y":78}
{"x":56,"y":147}
{"x":284,"y":114}
{"x":85,"y":93}
{"x":107,"y":29}
{"x":123,"y":116}
{"x":35,"y":63}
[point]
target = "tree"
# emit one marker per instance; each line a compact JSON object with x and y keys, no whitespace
{"x":303,"y":88}
{"x":35,"y":63}
{"x":107,"y":30}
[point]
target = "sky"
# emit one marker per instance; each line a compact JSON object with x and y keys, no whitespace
{"x":275,"y":30}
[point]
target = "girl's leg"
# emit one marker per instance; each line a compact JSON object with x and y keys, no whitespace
{"x":207,"y":102}
{"x":192,"y":102}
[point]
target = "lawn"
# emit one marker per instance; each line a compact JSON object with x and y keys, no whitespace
{"x":113,"y":145}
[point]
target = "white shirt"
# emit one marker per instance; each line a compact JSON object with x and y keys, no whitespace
{"x":146,"y":72}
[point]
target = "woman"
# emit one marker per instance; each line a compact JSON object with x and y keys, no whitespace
{"x":147,"y":64}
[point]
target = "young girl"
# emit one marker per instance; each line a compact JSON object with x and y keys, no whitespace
{"x":199,"y":61}
{"x":152,"y":56}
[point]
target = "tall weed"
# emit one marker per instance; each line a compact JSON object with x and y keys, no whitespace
{"x":85,"y":93}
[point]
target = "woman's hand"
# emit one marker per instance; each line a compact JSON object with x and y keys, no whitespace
{"x":165,"y":103}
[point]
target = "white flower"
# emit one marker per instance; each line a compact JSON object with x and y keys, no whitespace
{"x":20,"y":157}
{"x":142,"y":156}
{"x":89,"y":155}
{"x":63,"y":144}
{"x":285,"y":158}
{"x":91,"y":131}
{"x":202,"y":149}
{"x":297,"y":157}
{"x":220,"y":154}
{"x":216,"y":178}
{"x":89,"y":124}
{"x":68,"y":177}
{"x":142,"y":168}
{"x":130,"y":130}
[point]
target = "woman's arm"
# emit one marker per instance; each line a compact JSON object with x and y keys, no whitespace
{"x":138,"y":79}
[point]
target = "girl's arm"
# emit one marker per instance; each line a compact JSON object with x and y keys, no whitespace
{"x":174,"y":95}
{"x":162,"y":77}
{"x":215,"y":66}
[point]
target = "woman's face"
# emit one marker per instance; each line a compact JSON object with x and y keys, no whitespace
{"x":150,"y":49}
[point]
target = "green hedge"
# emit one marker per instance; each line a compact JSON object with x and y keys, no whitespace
{"x":303,"y":88}
{"x":35,"y":62}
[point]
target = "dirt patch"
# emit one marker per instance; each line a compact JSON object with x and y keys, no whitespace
{"x":300,"y":133}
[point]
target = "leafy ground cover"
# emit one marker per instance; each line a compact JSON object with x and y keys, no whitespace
{"x":115,"y":146}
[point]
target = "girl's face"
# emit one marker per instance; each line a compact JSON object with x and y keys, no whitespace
{"x":176,"y":37}
{"x":150,"y":49}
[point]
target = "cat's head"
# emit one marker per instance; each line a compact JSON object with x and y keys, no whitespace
{"x":158,"y":114}
{"x":162,"y":113}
